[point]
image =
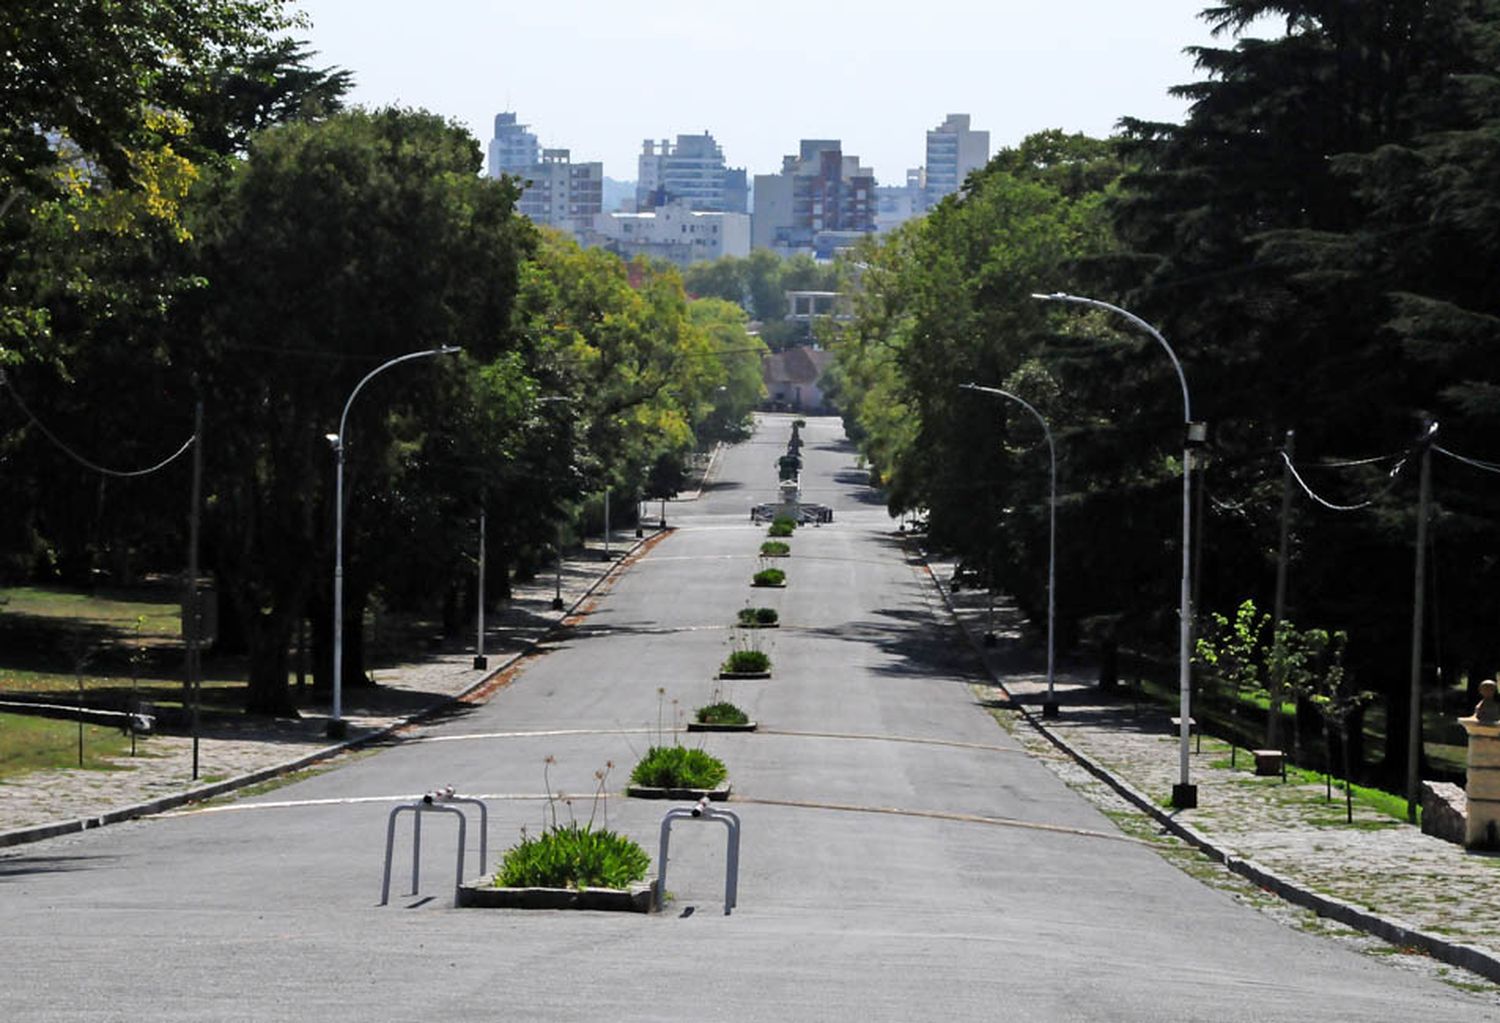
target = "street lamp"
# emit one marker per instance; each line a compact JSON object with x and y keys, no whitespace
{"x":1049,"y":706}
{"x":1184,"y":794}
{"x":557,"y":601}
{"x":480,"y":661}
{"x":336,"y":726}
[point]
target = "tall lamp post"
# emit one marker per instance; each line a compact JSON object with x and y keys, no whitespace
{"x":1184,"y":794}
{"x":336,"y":725}
{"x":1049,"y":706}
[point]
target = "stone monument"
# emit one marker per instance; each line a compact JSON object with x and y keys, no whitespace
{"x":1482,"y":830}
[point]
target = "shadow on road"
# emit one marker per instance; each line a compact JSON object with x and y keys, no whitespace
{"x":27,"y":866}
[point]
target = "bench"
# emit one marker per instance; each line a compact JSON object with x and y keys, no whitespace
{"x":1192,"y":730}
{"x":1269,"y":763}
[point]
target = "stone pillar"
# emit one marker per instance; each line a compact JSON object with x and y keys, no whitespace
{"x":1482,"y":831}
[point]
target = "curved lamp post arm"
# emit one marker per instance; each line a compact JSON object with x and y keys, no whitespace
{"x":1184,"y":794}
{"x":336,"y":726}
{"x":444,"y":350}
{"x":1187,"y":402}
{"x":1049,"y":709}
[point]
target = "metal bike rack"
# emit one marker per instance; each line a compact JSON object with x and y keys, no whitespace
{"x":703,"y":811}
{"x":436,"y":801}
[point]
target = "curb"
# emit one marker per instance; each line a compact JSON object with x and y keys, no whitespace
{"x":1405,"y":936}
{"x":40,"y":832}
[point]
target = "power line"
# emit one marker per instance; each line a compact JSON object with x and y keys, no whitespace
{"x":1340,"y":507}
{"x":75,"y":456}
{"x":1475,"y":462}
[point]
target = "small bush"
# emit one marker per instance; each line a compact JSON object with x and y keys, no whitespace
{"x":722,"y":713}
{"x":750,"y":617}
{"x":677,"y":767}
{"x":574,"y":856}
{"x":747,"y":660}
{"x":775,"y":549}
{"x":769,"y":577}
{"x":783,"y":525}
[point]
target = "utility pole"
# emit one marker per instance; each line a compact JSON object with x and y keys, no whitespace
{"x":1414,"y":724}
{"x":191,"y":617}
{"x":1278,"y":611}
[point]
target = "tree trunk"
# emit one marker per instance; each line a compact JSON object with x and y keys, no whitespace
{"x":230,"y":639}
{"x":269,"y":693}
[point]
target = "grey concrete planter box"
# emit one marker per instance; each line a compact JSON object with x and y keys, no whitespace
{"x":705,"y":726}
{"x":758,"y":625}
{"x":743,"y":675}
{"x":718,"y":795}
{"x":767,"y":586}
{"x":638,"y":898}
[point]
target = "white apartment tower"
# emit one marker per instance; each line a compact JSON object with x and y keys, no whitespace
{"x":513,"y":149}
{"x":557,"y":192}
{"x":953,"y":151}
{"x":691,"y":171}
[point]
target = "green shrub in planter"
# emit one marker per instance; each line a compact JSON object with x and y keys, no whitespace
{"x":783,"y":525}
{"x":753,"y":616}
{"x":743,"y":661}
{"x":769,"y":577}
{"x":573,"y":856}
{"x":775,"y":549}
{"x":677,"y":767}
{"x":722,"y":713}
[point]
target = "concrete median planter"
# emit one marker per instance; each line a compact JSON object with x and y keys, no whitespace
{"x":708,"y":726}
{"x":732,"y":676}
{"x":638,"y":898}
{"x":768,"y":586}
{"x":717,"y":795}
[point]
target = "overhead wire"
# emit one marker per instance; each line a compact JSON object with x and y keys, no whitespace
{"x":62,"y":446}
{"x":1476,"y":463}
{"x":1330,"y":505}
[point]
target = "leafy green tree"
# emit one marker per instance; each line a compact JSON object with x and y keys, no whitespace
{"x":1287,"y":254}
{"x":945,"y":301}
{"x":332,"y":247}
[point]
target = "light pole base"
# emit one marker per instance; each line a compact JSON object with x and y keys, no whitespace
{"x":1049,"y":709}
{"x":639,"y":532}
{"x":1184,"y":797}
{"x":481,"y":662}
{"x":337,"y":728}
{"x":557,"y":604}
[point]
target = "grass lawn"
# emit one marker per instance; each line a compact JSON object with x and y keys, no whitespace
{"x":33,"y":744}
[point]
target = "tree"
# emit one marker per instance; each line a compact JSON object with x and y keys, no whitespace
{"x":945,"y":301}
{"x":1279,"y":239}
{"x":332,"y":247}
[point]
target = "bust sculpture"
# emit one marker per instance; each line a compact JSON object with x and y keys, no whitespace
{"x":1487,"y":710}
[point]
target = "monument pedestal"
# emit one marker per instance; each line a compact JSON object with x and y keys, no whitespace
{"x":1482,"y":830}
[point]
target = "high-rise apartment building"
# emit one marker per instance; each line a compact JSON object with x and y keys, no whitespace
{"x":513,"y":149}
{"x":953,"y":151}
{"x":691,"y":171}
{"x":558,"y":192}
{"x":820,"y":202}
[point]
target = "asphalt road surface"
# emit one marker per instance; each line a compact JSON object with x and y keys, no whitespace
{"x":901,"y":858}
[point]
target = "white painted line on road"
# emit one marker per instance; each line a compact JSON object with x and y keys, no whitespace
{"x":532,"y":735}
{"x":943,"y":815}
{"x":410,"y":797}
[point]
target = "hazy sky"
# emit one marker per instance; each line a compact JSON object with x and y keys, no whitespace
{"x":598,"y":77}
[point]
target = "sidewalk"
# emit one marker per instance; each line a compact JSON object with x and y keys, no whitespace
{"x":1378,"y":875}
{"x":234,"y":755}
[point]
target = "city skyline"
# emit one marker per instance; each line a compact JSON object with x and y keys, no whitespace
{"x":589,"y":79}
